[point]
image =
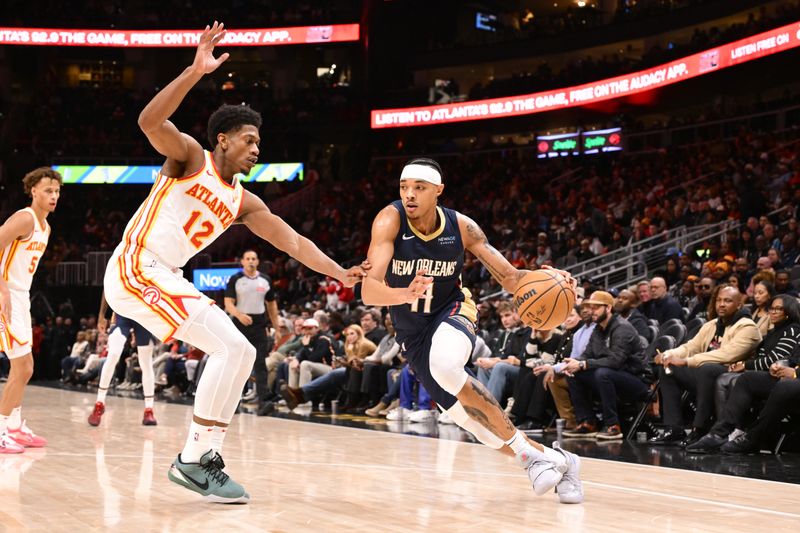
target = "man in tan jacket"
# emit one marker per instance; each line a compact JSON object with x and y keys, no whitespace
{"x":729,"y":337}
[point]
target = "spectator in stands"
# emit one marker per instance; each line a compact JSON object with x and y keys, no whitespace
{"x":528,"y":401}
{"x":662,"y":306}
{"x":529,"y":390}
{"x":370,"y":323}
{"x":701,"y":308}
{"x":643,"y":291}
{"x":688,"y":295}
{"x":387,"y":356}
{"x":499,"y":372}
{"x":584,"y":253}
{"x":774,"y":359}
{"x":78,"y":356}
{"x":612,"y":366}
{"x":791,"y":254}
{"x":728,"y":337}
{"x":626,"y":306}
{"x":783,"y":284}
{"x":357,"y":348}
{"x":763,"y":293}
{"x":289,"y":347}
{"x":742,"y":269}
{"x":314,"y":358}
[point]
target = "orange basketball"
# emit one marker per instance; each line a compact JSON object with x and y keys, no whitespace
{"x":544,"y":299}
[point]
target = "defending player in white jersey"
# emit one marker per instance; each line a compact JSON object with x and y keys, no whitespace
{"x":23,"y":239}
{"x":196,"y":197}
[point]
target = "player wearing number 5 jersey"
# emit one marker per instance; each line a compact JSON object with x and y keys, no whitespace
{"x":195,"y":198}
{"x":417,"y":254}
{"x":23,"y":240}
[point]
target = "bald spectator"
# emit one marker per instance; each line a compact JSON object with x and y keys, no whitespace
{"x":763,"y":263}
{"x":728,"y":337}
{"x":662,"y":306}
{"x":625,"y":305}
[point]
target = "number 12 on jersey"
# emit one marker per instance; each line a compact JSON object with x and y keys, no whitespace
{"x":428,"y":301}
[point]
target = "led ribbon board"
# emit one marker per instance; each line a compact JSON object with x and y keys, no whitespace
{"x":123,"y":174}
{"x":735,"y":53}
{"x":213,"y":279}
{"x":177,"y":38}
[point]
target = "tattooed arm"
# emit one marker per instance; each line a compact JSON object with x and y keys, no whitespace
{"x":498,"y":266}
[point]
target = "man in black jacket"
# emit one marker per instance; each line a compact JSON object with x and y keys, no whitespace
{"x":314,"y":358}
{"x":662,"y":306}
{"x":612,"y":365}
{"x":626,"y":306}
{"x":499,"y":372}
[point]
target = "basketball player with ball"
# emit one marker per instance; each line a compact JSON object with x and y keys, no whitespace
{"x":416,"y":257}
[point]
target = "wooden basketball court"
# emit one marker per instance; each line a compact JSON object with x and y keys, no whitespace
{"x":313,"y":477}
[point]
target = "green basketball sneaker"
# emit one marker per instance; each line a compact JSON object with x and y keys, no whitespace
{"x":207,"y":478}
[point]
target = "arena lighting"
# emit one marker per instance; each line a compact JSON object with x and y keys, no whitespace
{"x":177,"y":38}
{"x":711,"y":60}
{"x":122,"y":174}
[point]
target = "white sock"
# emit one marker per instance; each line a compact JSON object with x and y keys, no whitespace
{"x":517,"y":442}
{"x":15,"y":418}
{"x":217,"y":437}
{"x":101,"y":395}
{"x":198,"y":442}
{"x":148,"y":402}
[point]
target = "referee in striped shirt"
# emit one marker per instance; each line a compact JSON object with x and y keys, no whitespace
{"x":248,"y":299}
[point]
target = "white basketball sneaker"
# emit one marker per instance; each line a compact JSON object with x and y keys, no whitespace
{"x":570,"y":488}
{"x":423,"y":415}
{"x":398,"y":414}
{"x":543,"y":473}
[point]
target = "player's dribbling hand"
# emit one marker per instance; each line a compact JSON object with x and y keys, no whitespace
{"x":564,"y":274}
{"x":204,"y":60}
{"x":416,"y":289}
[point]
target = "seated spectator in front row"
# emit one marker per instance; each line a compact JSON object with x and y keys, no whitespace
{"x":763,"y":293}
{"x":530,"y":399}
{"x":758,"y":381}
{"x":374,"y":384}
{"x":727,"y":338}
{"x":499,"y":372}
{"x":626,"y":306}
{"x":613,"y":367}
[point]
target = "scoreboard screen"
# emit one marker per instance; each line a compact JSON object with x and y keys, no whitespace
{"x":559,"y":145}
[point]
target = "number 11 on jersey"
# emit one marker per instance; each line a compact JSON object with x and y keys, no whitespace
{"x":428,"y":301}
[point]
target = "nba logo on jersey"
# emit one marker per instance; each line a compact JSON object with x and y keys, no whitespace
{"x":151,"y":295}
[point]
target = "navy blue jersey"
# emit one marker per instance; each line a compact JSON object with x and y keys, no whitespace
{"x":442,"y":254}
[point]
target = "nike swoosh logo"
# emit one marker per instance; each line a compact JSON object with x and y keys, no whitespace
{"x":203,"y":486}
{"x":407,"y":237}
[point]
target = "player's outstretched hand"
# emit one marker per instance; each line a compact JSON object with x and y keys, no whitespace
{"x":204,"y":60}
{"x":418,"y":286}
{"x":566,"y":275}
{"x":354,"y":275}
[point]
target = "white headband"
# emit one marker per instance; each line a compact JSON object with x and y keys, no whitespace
{"x":422,"y":173}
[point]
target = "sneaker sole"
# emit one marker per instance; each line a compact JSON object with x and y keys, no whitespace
{"x":580,"y":435}
{"x":609,"y":437}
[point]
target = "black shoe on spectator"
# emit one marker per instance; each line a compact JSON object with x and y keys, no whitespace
{"x":293,"y":397}
{"x":612,"y":432}
{"x":742,"y":444}
{"x":672,"y":436}
{"x":529,"y":426}
{"x":694,"y":436}
{"x":266,"y":409}
{"x":708,"y":444}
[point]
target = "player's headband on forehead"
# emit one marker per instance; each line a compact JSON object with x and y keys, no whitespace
{"x":422,"y":173}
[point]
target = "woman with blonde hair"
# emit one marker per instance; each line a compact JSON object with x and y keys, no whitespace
{"x":356,"y":349}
